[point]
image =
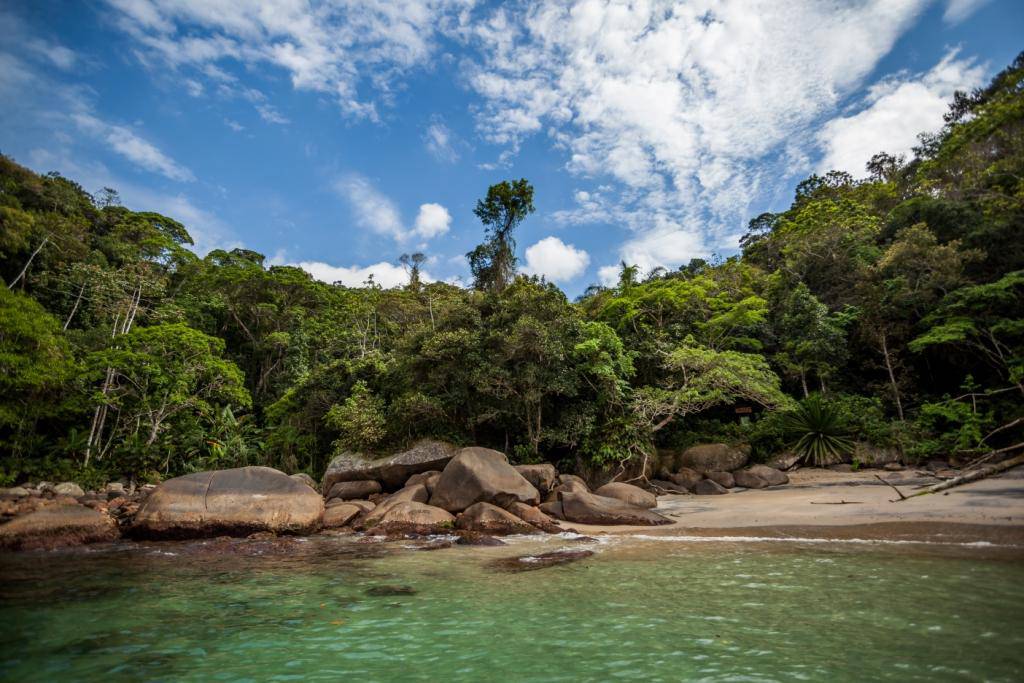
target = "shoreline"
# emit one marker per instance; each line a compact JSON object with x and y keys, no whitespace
{"x":812,"y":506}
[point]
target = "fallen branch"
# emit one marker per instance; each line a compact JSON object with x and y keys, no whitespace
{"x":981,"y":473}
{"x":990,"y":455}
{"x":842,"y":502}
{"x":893,"y":487}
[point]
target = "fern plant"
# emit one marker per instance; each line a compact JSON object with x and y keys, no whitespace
{"x":819,"y":434}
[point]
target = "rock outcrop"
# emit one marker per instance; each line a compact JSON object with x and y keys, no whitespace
{"x":627,"y":493}
{"x":392,"y":470}
{"x":481,"y":475}
{"x":235,"y":502}
{"x":56,"y":526}
{"x":587,"y":508}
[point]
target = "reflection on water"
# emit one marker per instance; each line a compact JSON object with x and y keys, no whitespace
{"x":644,"y":609}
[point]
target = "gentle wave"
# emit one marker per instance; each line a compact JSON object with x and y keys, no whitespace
{"x":797,"y":539}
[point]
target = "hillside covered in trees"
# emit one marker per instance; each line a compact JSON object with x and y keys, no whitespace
{"x":887,"y":310}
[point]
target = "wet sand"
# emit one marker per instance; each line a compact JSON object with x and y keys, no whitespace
{"x":849,"y":505}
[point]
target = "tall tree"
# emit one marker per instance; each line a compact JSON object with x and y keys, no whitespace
{"x":493,"y":263}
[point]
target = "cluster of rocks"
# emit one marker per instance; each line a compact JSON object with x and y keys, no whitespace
{"x":433,"y":487}
{"x":470,"y":490}
{"x":48,"y":515}
{"x":715,"y":469}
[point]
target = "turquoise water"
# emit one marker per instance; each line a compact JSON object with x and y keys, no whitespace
{"x":638,"y":609}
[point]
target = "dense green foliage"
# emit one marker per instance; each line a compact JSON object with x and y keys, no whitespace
{"x":895,"y":302}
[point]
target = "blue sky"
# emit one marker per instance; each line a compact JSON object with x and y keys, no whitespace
{"x":338,"y":135}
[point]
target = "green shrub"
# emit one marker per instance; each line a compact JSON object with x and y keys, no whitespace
{"x":820,"y":433}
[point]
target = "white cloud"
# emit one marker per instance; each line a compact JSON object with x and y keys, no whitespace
{"x":439,"y":141}
{"x":555,"y":260}
{"x":234,"y":125}
{"x":128,"y":144}
{"x":58,"y":55}
{"x":372,"y":209}
{"x":269,"y":114}
{"x":958,"y":10}
{"x":609,"y":275}
{"x":385,"y":274}
{"x":681,"y":108}
{"x":432,"y":220}
{"x":346,"y":49}
{"x":896,"y":111}
{"x":375,"y":211}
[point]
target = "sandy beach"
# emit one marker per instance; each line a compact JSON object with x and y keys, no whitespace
{"x":843,"y":505}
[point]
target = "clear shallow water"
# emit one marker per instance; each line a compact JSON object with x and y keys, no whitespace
{"x":647,"y":610}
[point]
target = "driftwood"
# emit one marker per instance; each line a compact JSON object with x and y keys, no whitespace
{"x":975,"y":475}
{"x":842,"y":502}
{"x":893,"y":487}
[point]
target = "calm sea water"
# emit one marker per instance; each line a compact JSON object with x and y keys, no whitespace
{"x":651,"y":610}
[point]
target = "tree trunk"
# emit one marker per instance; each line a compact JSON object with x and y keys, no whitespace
{"x":803,"y":383}
{"x":980,"y":473}
{"x":29,"y":262}
{"x":892,"y":374}
{"x":74,"y":309}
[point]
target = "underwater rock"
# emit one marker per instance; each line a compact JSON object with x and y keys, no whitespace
{"x":527,"y":563}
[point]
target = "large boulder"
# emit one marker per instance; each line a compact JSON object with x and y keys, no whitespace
{"x":491,"y":519}
{"x":627,"y":493}
{"x":394,"y":469}
{"x":714,"y":457}
{"x":686,"y":477}
{"x":235,"y":502}
{"x":769,"y":474}
{"x":749,"y":480}
{"x":410,"y":517}
{"x":56,"y":526}
{"x":542,"y":476}
{"x":480,"y":475}
{"x":354,"y":490}
{"x":587,"y":508}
